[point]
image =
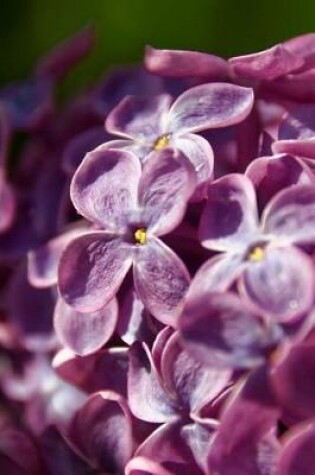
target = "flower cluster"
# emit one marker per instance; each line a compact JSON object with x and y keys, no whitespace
{"x":157,"y":269}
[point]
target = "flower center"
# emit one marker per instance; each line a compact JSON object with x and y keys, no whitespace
{"x":162,"y":142}
{"x":140,"y":236}
{"x":256,"y":254}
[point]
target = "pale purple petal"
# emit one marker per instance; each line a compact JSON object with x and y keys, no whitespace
{"x":139,"y":118}
{"x":147,"y":398}
{"x":220,"y":331}
{"x":299,"y":123}
{"x":145,"y":466}
{"x":297,"y":454}
{"x":166,"y":184}
{"x":274,"y":173}
{"x":102,"y":261}
{"x":268,"y":64}
{"x":176,"y":63}
{"x":58,"y":62}
{"x":104,"y":187}
{"x":101,"y":431}
{"x":161,"y":280}
{"x":200,"y":154}
{"x":43,"y":262}
{"x":209,"y":106}
{"x":291,"y":214}
{"x":229,"y":220}
{"x":274,"y":286}
{"x":302,"y":45}
{"x":194,"y":383}
{"x":85,"y":333}
{"x":301,"y":148}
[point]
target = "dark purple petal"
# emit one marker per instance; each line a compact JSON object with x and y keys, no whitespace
{"x":58,"y":62}
{"x":7,"y":204}
{"x":209,"y":106}
{"x":166,"y":184}
{"x":293,"y":379}
{"x":297,"y":454}
{"x":194,"y":384}
{"x":220,"y":331}
{"x":139,"y":118}
{"x":85,"y":333}
{"x":268,"y":64}
{"x":274,"y":286}
{"x":104,"y":187}
{"x":101,"y":431}
{"x":291,"y":214}
{"x":101,"y":263}
{"x":299,"y":123}
{"x":161,"y":280}
{"x":176,"y":63}
{"x":200,"y":154}
{"x":229,"y":219}
{"x":146,"y":396}
{"x":272,"y":174}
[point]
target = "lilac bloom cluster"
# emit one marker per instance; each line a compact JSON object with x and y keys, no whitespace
{"x":157,"y":266}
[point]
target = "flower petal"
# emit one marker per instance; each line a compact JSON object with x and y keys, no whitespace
{"x":161,"y":280}
{"x":139,"y":118}
{"x":85,"y":333}
{"x":145,"y":466}
{"x":300,"y":148}
{"x":101,"y":263}
{"x":175,"y":63}
{"x":209,"y":106}
{"x":200,"y":154}
{"x":297,"y":454}
{"x":166,"y":184}
{"x":221,"y":332}
{"x":274,"y":286}
{"x":104,"y":187}
{"x":267,"y":65}
{"x":290,"y":215}
{"x":229,"y":219}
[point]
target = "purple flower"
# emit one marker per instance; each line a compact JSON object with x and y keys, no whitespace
{"x":263,"y":255}
{"x":151,"y":124}
{"x":133,"y":210}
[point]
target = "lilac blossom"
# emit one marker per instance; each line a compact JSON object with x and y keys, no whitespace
{"x":263,"y":257}
{"x":133,"y":210}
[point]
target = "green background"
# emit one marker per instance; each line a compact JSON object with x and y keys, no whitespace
{"x":31,"y":27}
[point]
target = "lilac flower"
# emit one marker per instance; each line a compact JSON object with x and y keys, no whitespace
{"x":264,"y":257}
{"x":149,"y":124}
{"x":133,"y":210}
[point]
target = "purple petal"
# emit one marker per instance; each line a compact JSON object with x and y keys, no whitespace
{"x":102,"y":261}
{"x":7,"y":204}
{"x":299,"y":123}
{"x":101,"y":430}
{"x":291,"y":214}
{"x":272,"y":174}
{"x":85,"y":333}
{"x":229,"y":219}
{"x":297,"y":454}
{"x":18,"y":454}
{"x":161,"y":280}
{"x":166,"y":184}
{"x":293,"y":379}
{"x":274,"y":286}
{"x":58,"y":62}
{"x":194,"y":384}
{"x":301,"y":148}
{"x":175,"y":63}
{"x":145,"y":466}
{"x":104,"y":186}
{"x":147,"y":399}
{"x":140,"y":118}
{"x":43,"y":262}
{"x":220,"y":331}
{"x":209,"y":106}
{"x":200,"y":154}
{"x":268,"y":64}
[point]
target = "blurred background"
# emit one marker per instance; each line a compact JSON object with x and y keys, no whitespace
{"x":29,"y":28}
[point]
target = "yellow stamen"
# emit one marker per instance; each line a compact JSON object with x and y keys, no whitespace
{"x":140,"y":236}
{"x":162,"y":142}
{"x":256,"y":254}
